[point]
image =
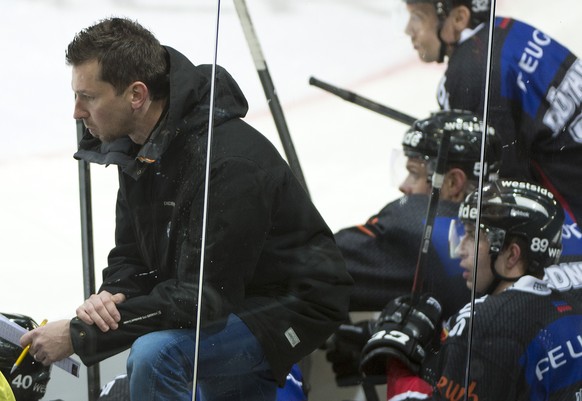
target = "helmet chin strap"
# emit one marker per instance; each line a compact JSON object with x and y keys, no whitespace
{"x":442,"y":50}
{"x":497,"y":277}
{"x":441,"y":14}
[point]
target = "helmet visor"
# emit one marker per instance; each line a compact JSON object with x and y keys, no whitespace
{"x":456,"y":234}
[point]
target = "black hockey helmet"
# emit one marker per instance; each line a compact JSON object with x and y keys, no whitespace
{"x":518,"y":209}
{"x":480,"y":9}
{"x":29,"y":382}
{"x":441,"y":6}
{"x":422,"y":140}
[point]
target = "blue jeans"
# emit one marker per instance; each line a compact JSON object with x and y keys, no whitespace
{"x":231,"y":366}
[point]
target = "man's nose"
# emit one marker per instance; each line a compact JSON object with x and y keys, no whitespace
{"x":79,"y":112}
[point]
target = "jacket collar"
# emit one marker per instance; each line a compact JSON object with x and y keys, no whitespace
{"x":187,"y":110}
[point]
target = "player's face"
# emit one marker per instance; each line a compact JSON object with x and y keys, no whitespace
{"x":466,"y":251}
{"x":107,"y":115}
{"x":422,"y":27}
{"x":416,"y":181}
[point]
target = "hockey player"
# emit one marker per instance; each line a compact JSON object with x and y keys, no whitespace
{"x":534,"y":89}
{"x":525,"y":344}
{"x":381,"y":254}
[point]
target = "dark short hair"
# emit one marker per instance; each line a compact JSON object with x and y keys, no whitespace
{"x":126,"y":52}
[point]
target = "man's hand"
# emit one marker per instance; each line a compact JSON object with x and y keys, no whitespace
{"x":101,"y":310}
{"x":49,"y":343}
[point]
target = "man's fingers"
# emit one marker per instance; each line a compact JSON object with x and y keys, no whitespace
{"x":49,"y":343}
{"x":110,"y":303}
{"x":118,"y":298}
{"x":94,"y":309}
{"x":103,"y":319}
{"x":84,"y":316}
{"x":101,"y":310}
{"x":26,"y":339}
{"x":108,"y":311}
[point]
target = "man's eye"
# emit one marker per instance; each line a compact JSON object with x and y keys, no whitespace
{"x":415,"y":18}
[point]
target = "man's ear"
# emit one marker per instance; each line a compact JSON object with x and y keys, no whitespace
{"x":514,"y":266}
{"x":461,"y":18}
{"x":455,"y":183}
{"x":139,"y":94}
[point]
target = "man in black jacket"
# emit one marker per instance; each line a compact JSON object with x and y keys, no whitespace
{"x":274,"y":284}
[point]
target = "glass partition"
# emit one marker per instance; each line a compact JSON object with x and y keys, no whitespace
{"x":346,"y":74}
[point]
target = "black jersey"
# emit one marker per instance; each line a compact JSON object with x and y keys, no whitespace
{"x":526,"y":345}
{"x":534,"y":103}
{"x":381,"y":256}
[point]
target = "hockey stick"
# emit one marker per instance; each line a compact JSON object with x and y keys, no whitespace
{"x":93,"y":372}
{"x":364,"y":102}
{"x":437,"y":182}
{"x":270,"y":92}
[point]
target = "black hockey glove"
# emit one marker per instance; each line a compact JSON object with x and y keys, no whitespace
{"x":402,"y":332}
{"x":343,"y":350}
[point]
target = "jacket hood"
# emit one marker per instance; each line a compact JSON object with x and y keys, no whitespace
{"x":187,"y":109}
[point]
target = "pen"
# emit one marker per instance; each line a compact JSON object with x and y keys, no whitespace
{"x":24,"y":352}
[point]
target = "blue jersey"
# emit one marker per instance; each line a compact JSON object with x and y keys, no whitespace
{"x":535,"y":98}
{"x":526,"y":345}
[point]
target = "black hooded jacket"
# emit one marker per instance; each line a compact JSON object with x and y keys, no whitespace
{"x":269,"y":256}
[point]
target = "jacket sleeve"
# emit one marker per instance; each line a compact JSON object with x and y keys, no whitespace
{"x":155,"y":301}
{"x":381,"y":254}
{"x":126,"y":271}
